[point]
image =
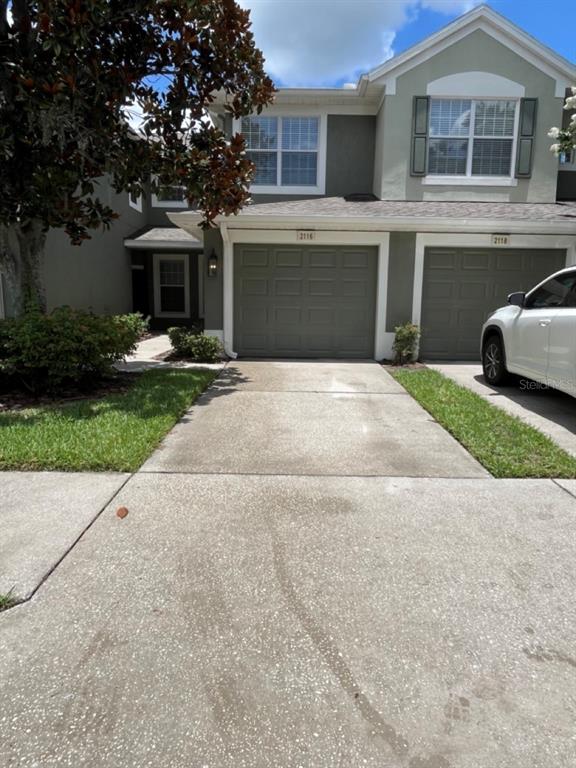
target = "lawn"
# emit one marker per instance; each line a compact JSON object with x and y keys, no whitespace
{"x":506,"y":446}
{"x":116,"y":433}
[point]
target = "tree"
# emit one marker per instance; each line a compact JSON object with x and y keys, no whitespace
{"x":566,"y":137}
{"x":70,"y":70}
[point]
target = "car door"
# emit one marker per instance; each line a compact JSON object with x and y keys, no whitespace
{"x":561,"y":373}
{"x":529,"y":341}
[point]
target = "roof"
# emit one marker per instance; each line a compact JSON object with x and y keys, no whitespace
{"x":338,"y":206}
{"x":336,"y":213}
{"x":164,"y":237}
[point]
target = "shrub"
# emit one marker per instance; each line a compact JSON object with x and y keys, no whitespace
{"x":67,"y":346}
{"x":194,"y":345}
{"x":405,"y":343}
{"x":136,"y":322}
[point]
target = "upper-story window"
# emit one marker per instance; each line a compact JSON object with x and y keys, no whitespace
{"x":288,"y":152}
{"x":472,"y":138}
{"x":170,"y":197}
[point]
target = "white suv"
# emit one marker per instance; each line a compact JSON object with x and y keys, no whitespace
{"x":535,"y":335}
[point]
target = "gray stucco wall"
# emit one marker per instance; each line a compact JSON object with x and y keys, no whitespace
{"x":95,"y":275}
{"x":214,"y":286}
{"x":400,"y":279}
{"x":476,"y":52}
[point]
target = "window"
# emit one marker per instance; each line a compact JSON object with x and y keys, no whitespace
{"x":559,"y":291}
{"x":286,"y":152}
{"x":170,"y":197}
{"x":135,"y":201}
{"x":472,"y":137}
{"x":171,"y":285}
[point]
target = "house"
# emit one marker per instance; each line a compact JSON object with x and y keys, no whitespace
{"x":426,"y":193}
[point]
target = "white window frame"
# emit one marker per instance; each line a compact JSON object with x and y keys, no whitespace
{"x":167,"y":203}
{"x":135,"y":204}
{"x":301,"y":189}
{"x":159,"y":257}
{"x":468,"y":179}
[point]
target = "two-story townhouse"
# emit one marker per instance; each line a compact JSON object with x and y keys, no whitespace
{"x":426,"y":193}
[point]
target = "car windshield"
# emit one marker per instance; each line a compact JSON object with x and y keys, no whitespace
{"x":555,"y":292}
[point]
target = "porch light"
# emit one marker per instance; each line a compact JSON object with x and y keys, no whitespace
{"x":212,"y":264}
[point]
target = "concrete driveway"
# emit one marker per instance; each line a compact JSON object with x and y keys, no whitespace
{"x":303,"y":620}
{"x":298,"y":418}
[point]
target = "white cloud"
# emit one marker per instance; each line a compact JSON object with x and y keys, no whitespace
{"x":317,"y":42}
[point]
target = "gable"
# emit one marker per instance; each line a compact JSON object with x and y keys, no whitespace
{"x":478,"y":23}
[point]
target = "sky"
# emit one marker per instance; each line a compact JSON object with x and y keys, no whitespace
{"x":331,"y":42}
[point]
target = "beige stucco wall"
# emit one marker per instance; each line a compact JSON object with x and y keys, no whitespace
{"x":478,"y":52}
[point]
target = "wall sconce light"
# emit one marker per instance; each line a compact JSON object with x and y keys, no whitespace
{"x":212,"y":264}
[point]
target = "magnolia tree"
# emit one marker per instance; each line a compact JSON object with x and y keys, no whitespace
{"x":566,"y":138}
{"x":71,"y":70}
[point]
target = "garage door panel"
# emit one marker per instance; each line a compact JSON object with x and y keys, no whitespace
{"x":441,"y":259}
{"x":287,"y":287}
{"x":284,"y":258}
{"x":287,"y":315}
{"x":474,"y":290}
{"x":476,"y":260}
{"x":255,"y":257}
{"x":322,"y":259}
{"x":254,"y":287}
{"x":312,"y":301}
{"x":321,"y":287}
{"x":454,"y":307}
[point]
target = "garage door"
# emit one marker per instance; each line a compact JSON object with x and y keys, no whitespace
{"x":311,"y":301}
{"x":462,"y":286}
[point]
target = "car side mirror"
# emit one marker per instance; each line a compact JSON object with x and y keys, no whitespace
{"x":517,"y":299}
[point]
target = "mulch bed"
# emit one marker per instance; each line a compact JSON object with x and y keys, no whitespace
{"x":17,"y":399}
{"x":389,"y":365}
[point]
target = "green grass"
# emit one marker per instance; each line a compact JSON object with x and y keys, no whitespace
{"x":505,"y":445}
{"x":117,"y":432}
{"x":7,"y":601}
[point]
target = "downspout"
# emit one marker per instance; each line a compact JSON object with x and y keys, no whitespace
{"x":228,"y":290}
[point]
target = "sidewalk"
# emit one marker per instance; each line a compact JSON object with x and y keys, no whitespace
{"x":149,"y":354}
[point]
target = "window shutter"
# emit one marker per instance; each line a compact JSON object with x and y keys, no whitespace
{"x":419,"y":135}
{"x":526,"y":133}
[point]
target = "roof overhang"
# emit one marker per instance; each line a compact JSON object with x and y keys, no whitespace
{"x":190,"y":222}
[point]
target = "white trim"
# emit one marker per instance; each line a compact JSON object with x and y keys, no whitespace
{"x":469,"y":181}
{"x":476,"y":85}
{"x":382,"y":339}
{"x":157,"y":258}
{"x":427,"y":240}
{"x":135,"y":204}
{"x":493,"y":24}
{"x":190,"y":221}
{"x":201,"y":268}
{"x":280,"y":189}
{"x":153,"y":245}
{"x":382,"y":348}
{"x":2,"y":304}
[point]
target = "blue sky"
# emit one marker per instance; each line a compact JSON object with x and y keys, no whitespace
{"x":330,"y":42}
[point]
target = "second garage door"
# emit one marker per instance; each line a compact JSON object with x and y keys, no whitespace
{"x":311,"y":301}
{"x":462,"y":286}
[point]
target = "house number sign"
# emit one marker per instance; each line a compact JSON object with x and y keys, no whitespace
{"x":500,"y":239}
{"x":305,"y":234}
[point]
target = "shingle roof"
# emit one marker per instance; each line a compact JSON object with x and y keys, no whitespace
{"x":166,"y":234}
{"x":339,"y":207}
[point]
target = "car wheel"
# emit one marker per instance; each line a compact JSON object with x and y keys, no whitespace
{"x":493,"y":364}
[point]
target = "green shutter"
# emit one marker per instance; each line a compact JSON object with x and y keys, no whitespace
{"x":526,"y":134}
{"x":419,"y":135}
